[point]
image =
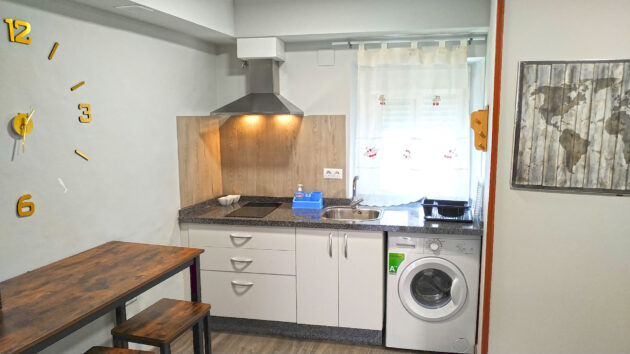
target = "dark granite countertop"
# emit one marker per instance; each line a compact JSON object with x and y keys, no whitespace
{"x":402,"y":218}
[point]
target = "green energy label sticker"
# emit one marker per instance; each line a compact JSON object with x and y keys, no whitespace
{"x":394,"y":261}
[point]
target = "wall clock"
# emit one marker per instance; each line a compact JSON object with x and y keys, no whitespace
{"x":23,"y":123}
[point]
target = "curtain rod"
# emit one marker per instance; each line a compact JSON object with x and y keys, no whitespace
{"x":446,"y":38}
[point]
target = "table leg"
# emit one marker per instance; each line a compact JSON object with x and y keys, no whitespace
{"x":195,"y":281}
{"x":197,"y":344}
{"x":206,"y":333}
{"x":165,"y":348}
{"x":121,"y":316}
{"x":195,"y":295}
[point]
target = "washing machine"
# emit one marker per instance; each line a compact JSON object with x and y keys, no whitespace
{"x":432,"y":292}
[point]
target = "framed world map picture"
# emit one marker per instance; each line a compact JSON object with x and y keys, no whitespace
{"x":573,"y":126}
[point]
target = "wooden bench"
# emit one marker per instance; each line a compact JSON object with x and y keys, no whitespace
{"x":161,"y":323}
{"x":108,"y":350}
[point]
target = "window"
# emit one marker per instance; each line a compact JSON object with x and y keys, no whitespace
{"x":412,"y":134}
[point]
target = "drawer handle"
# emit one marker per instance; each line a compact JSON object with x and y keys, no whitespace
{"x":241,"y":236}
{"x":243,"y":260}
{"x":242,"y":283}
{"x":345,"y":245}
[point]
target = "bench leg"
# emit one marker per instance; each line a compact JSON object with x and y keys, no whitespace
{"x":197,"y":345}
{"x":165,"y":348}
{"x":206,"y":333}
{"x":121,"y":316}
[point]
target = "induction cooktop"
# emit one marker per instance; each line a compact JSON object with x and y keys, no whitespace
{"x":254,"y":210}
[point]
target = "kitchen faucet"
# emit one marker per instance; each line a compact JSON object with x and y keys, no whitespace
{"x":355,"y":202}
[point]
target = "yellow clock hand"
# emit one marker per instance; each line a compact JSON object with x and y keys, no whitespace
{"x":28,"y":119}
{"x":29,"y":116}
{"x":23,"y":135}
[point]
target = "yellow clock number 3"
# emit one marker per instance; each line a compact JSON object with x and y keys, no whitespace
{"x":86,"y":114}
{"x":20,"y":37}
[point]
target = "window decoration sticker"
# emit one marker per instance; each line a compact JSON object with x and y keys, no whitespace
{"x":407,"y":154}
{"x":381,"y":100}
{"x":436,"y":100}
{"x":371,"y":152}
{"x":451,"y":154}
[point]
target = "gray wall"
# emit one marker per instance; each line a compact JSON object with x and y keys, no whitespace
{"x":561,"y":281}
{"x":137,"y":84}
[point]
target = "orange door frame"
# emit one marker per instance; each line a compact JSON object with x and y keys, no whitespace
{"x":496,"y":106}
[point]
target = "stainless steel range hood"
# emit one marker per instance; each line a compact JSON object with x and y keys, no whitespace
{"x":264,"y":94}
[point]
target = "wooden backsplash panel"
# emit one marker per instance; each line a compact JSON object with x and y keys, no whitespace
{"x":270,"y":155}
{"x":198,"y":147}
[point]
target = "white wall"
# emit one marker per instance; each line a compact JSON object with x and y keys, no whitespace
{"x":561,"y":281}
{"x":136,"y":85}
{"x":485,"y":157}
{"x":287,"y":18}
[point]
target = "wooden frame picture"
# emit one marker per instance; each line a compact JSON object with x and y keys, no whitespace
{"x":572,"y":131}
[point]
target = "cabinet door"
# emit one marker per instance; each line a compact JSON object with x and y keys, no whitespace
{"x":317,"y":276}
{"x":361,"y":277}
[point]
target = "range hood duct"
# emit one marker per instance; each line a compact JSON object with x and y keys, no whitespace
{"x":264,"y":97}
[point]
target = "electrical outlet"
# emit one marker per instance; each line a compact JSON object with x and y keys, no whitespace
{"x":333,"y":173}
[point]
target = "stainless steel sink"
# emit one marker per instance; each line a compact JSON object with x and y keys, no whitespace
{"x":352,"y":214}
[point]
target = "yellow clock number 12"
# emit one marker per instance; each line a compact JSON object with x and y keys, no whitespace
{"x":20,"y":37}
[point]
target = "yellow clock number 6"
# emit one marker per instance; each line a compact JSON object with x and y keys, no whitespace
{"x":86,"y":114}
{"x":21,"y":204}
{"x":20,"y":37}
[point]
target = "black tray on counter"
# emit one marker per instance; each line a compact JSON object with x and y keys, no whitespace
{"x":446,"y":210}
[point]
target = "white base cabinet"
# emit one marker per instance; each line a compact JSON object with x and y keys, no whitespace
{"x":340,"y":278}
{"x":320,"y":277}
{"x":247,"y":272}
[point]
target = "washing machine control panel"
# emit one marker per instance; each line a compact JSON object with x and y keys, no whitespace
{"x":447,"y":246}
{"x":432,"y":244}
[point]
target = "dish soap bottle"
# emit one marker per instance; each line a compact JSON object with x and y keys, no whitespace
{"x":300,"y":192}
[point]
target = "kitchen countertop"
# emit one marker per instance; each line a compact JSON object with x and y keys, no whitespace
{"x":402,"y":218}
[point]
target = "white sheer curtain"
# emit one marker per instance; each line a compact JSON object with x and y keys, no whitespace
{"x":412,"y":131}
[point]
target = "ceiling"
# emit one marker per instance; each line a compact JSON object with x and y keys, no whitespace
{"x":276,"y":18}
{"x":133,"y":10}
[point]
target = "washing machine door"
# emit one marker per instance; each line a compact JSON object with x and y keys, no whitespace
{"x":432,"y":289}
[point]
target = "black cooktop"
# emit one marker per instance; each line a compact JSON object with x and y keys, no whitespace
{"x":254,"y":210}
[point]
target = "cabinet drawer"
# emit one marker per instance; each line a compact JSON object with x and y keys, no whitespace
{"x":248,"y":260}
{"x":270,"y":238}
{"x":259,"y":296}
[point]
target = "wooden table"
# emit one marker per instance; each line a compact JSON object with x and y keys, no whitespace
{"x":42,"y":306}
